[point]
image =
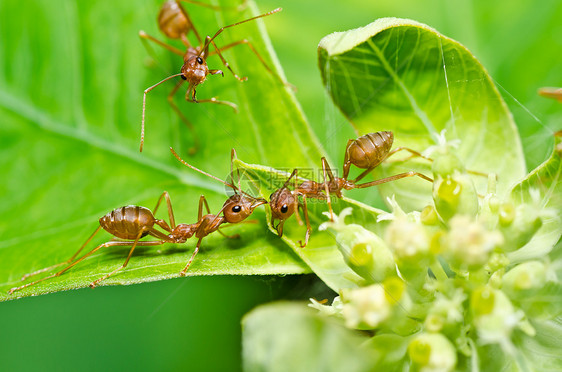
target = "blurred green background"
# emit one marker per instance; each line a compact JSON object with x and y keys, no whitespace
{"x":194,"y":323}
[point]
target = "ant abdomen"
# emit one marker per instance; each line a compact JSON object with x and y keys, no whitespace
{"x":128,"y":221}
{"x":171,"y":20}
{"x":370,"y":150}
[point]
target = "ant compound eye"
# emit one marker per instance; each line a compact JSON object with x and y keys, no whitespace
{"x":183,"y":77}
{"x":200,"y":60}
{"x":284,"y":208}
{"x":236,"y":209}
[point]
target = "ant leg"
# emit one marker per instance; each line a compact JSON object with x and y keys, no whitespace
{"x":144,"y":105}
{"x":393,"y":178}
{"x":414,"y":153}
{"x":189,"y":21}
{"x":362,"y":175}
{"x":209,"y":40}
{"x":279,"y":227}
{"x":62,"y":263}
{"x":200,"y":212}
{"x":182,"y":117}
{"x":191,"y":98}
{"x":182,"y":273}
{"x":144,"y":36}
{"x":308,"y":228}
{"x":135,"y":244}
{"x":223,"y":60}
{"x":59,"y":273}
{"x":346,"y":162}
{"x":170,"y":211}
{"x":234,"y":156}
{"x":326,"y":170}
{"x":296,"y":200}
{"x":253,"y":49}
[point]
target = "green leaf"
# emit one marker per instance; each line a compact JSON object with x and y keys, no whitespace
{"x":400,"y":75}
{"x":541,"y":352}
{"x":290,"y":337}
{"x":542,"y":187}
{"x":71,"y":86}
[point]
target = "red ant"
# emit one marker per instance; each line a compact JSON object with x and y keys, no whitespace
{"x":365,"y":152}
{"x":174,"y":22}
{"x":132,"y":223}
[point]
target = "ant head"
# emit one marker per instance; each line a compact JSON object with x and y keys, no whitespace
{"x":239,"y":206}
{"x":283,"y":203}
{"x":194,"y":69}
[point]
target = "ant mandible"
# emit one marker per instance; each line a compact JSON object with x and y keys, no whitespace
{"x":174,"y":22}
{"x":365,"y":152}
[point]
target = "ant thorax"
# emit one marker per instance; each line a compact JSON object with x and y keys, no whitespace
{"x":182,"y":232}
{"x":311,"y":188}
{"x":282,"y":203}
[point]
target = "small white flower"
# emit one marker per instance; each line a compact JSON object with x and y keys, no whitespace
{"x":366,"y":307}
{"x":469,"y":242}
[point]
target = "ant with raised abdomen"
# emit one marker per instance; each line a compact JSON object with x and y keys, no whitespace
{"x":174,"y":22}
{"x":132,"y":223}
{"x":365,"y":152}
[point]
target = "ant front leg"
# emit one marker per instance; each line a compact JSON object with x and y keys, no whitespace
{"x":184,"y":271}
{"x":308,"y":228}
{"x":190,"y":97}
{"x":327,"y":172}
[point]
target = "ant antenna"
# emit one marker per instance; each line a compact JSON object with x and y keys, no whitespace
{"x":236,"y":191}
{"x":289,"y":179}
{"x":199,"y":170}
{"x":144,"y":104}
{"x":209,"y":41}
{"x":234,"y":156}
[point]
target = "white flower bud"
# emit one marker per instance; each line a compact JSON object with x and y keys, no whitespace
{"x":363,"y":251}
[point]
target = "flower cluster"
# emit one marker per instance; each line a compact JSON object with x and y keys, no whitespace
{"x":449,"y":279}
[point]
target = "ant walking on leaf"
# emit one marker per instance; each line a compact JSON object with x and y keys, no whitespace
{"x":174,"y":22}
{"x":366,"y":152}
{"x":131,"y":223}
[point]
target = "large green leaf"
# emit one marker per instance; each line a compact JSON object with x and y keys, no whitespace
{"x":400,"y":75}
{"x":290,"y":337}
{"x":71,"y":89}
